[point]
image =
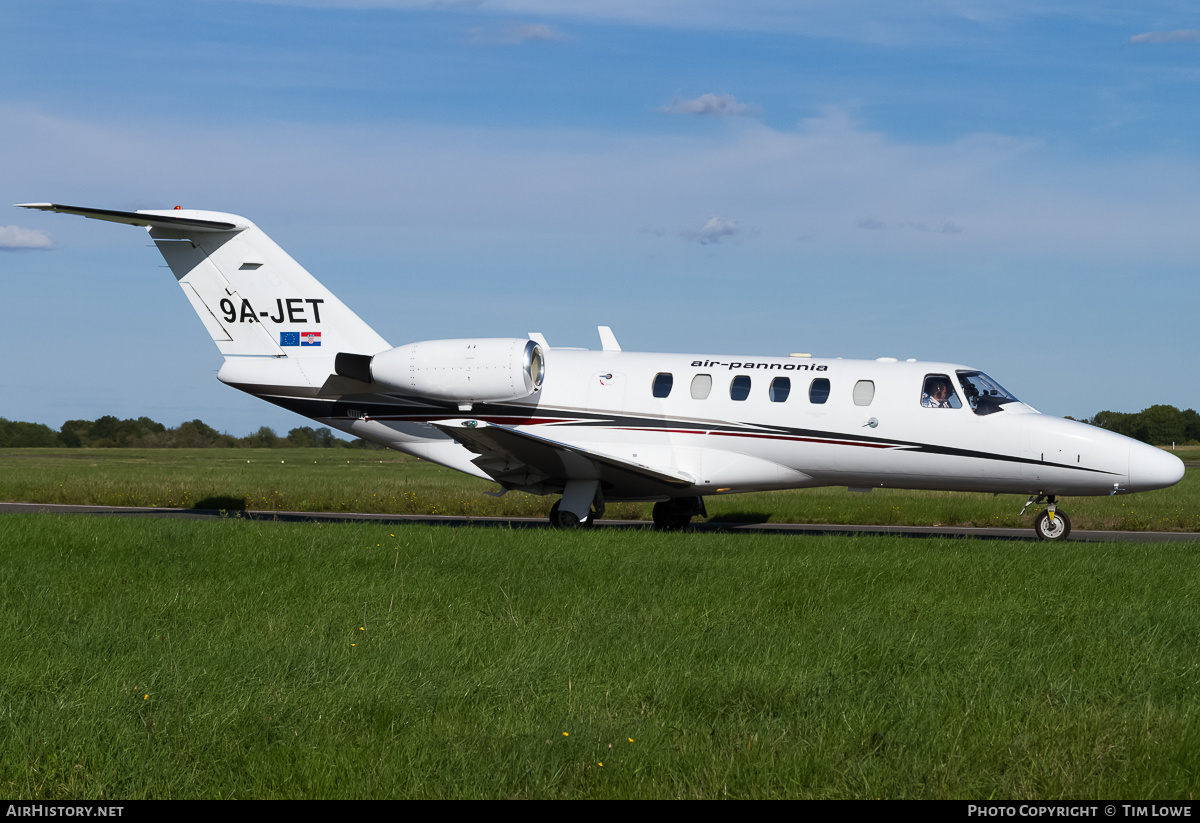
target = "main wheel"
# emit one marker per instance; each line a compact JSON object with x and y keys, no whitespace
{"x":563,"y":519}
{"x":669,"y":516}
{"x":1058,"y":529}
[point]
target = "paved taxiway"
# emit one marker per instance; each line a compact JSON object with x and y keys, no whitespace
{"x":1077,"y":535}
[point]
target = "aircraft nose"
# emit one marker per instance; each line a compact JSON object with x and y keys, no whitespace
{"x":1152,"y":468}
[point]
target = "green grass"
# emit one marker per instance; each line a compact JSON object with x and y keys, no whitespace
{"x":333,"y":480}
{"x":388,"y":482}
{"x":167,"y":658}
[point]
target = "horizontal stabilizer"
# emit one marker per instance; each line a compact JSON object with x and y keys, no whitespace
{"x":252,"y":297}
{"x":155,"y":219}
{"x":517,"y":459}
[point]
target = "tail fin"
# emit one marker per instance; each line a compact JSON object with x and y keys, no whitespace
{"x":253,"y":298}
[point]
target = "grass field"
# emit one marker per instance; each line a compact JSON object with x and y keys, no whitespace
{"x":230,"y":658}
{"x":337,"y":480}
{"x":234,"y":658}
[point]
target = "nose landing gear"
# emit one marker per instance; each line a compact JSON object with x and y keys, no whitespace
{"x":1050,"y":524}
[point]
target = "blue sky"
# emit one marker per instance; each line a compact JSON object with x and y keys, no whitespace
{"x":1014,"y":186}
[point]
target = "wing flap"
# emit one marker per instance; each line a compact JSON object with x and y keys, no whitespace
{"x":521,"y":460}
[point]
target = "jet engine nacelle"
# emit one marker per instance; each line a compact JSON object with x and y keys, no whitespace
{"x":489,"y":370}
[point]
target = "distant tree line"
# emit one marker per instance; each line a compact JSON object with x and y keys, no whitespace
{"x":109,"y":432}
{"x":1157,"y":425}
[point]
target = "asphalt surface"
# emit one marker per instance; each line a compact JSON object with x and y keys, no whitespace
{"x":1077,"y":535}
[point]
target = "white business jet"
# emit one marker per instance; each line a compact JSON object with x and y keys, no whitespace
{"x":609,"y":425}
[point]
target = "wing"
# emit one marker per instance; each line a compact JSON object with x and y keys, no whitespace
{"x":527,"y":462}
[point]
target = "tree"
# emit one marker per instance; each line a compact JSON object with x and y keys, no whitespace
{"x":264,"y":438}
{"x":1164,"y":424}
{"x":15,"y":434}
{"x":196,"y":434}
{"x":74,"y":432}
{"x":302,"y":438}
{"x":1158,"y":425}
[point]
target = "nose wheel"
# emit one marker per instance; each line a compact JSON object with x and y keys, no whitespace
{"x":1050,"y":524}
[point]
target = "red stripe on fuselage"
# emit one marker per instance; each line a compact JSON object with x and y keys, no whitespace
{"x":757,"y":436}
{"x":500,"y":421}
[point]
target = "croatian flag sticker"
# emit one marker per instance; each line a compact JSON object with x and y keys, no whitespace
{"x":310,"y":338}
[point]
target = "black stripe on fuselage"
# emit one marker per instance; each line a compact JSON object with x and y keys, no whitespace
{"x":415,"y":410}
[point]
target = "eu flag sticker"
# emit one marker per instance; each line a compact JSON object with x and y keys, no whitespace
{"x":310,"y":338}
{"x":289,"y":338}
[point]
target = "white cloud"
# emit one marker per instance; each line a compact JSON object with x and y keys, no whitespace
{"x":1177,"y":36}
{"x":15,"y":238}
{"x":875,"y":224}
{"x":946,"y":227}
{"x":829,"y":175}
{"x":713,"y":231}
{"x":860,"y":20}
{"x":513,"y":34}
{"x":711,"y":105}
{"x":539,"y":31}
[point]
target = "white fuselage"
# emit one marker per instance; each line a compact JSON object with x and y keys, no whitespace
{"x":604,"y":401}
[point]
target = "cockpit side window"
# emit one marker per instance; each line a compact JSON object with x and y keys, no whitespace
{"x":984,"y":394}
{"x":938,"y":393}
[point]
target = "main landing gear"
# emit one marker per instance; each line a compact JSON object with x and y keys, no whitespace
{"x":581,"y":505}
{"x":669,"y":515}
{"x":1050,"y":524}
{"x":560,"y":518}
{"x":674,"y":515}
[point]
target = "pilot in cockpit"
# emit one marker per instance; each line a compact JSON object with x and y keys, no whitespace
{"x":939,"y":394}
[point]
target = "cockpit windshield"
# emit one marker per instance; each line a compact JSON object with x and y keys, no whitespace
{"x":983,"y":393}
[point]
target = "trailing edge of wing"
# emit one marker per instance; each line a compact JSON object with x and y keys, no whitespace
{"x":518,"y":459}
{"x":156,"y":219}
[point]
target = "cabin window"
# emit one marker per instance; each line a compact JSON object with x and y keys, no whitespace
{"x":938,"y":393}
{"x":781,"y":387}
{"x":983,"y":393}
{"x":662,"y":384}
{"x":864,"y":392}
{"x":701,"y":386}
{"x":818,"y":390}
{"x":739,"y":389}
